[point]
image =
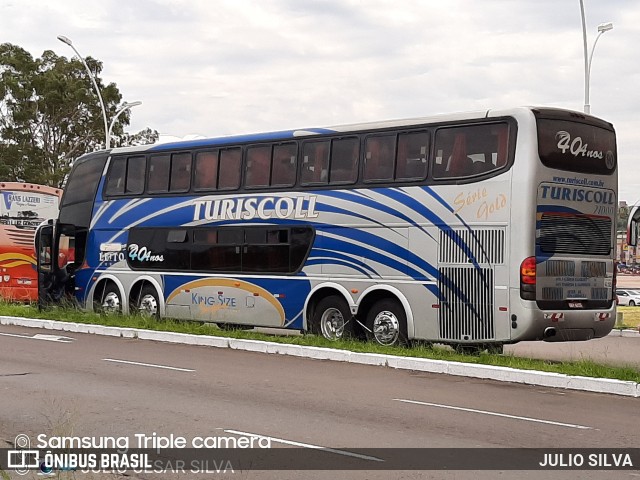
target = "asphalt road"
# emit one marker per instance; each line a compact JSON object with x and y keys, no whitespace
{"x":85,"y":385}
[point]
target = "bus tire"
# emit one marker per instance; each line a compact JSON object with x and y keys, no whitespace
{"x":110,"y":301}
{"x":387,"y":323}
{"x":148,"y":304}
{"x":332,"y":318}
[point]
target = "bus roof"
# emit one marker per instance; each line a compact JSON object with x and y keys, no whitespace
{"x":302,"y":132}
{"x":30,"y":187}
{"x":347,"y":128}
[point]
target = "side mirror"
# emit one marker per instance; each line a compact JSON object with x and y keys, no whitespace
{"x":632,"y":227}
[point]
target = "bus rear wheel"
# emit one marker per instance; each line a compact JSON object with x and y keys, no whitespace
{"x":387,"y":323}
{"x":332,"y":318}
{"x":148,"y":304}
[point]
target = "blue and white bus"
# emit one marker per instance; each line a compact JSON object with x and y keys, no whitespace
{"x":471,"y":229}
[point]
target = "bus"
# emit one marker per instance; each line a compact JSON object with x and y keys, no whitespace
{"x":633,"y":229}
{"x":472,"y":229}
{"x":23,"y":206}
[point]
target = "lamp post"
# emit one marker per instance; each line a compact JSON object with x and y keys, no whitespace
{"x":603,"y":27}
{"x":125,"y":106}
{"x":68,"y":41}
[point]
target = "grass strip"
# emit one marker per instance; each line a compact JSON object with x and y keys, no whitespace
{"x":583,"y":368}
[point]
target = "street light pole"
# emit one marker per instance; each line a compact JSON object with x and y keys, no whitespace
{"x":68,"y":41}
{"x":125,"y":106}
{"x":603,"y":27}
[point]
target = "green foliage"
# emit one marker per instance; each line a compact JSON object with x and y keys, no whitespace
{"x":623,"y":216}
{"x":50,"y":114}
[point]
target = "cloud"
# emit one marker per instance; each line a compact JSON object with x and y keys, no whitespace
{"x":236,"y":66}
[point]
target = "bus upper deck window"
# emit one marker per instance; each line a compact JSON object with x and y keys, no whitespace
{"x":180,"y":172}
{"x":158,"y":177}
{"x":379,"y":158}
{"x":258,"y":168}
{"x":206,"y":171}
{"x":230,"y":164}
{"x":284,"y":165}
{"x":315,"y":165}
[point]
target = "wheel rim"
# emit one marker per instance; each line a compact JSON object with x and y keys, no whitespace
{"x":332,"y":324}
{"x":111,"y":302}
{"x":148,"y":305}
{"x":386,"y":328}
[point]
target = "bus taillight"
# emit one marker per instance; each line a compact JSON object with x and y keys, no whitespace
{"x":528,"y":279}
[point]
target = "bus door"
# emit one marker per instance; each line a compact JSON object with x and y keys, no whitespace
{"x":44,"y":254}
{"x":55,"y":247}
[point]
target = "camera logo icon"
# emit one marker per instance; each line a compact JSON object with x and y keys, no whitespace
{"x":23,"y":458}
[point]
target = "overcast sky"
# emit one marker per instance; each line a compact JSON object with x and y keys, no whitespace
{"x":211,"y":68}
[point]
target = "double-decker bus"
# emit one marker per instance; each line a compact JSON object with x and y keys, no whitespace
{"x":471,"y":229}
{"x":23,"y":206}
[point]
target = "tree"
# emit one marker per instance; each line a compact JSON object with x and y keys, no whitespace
{"x":50,"y":114}
{"x":623,"y":216}
{"x":143,"y":137}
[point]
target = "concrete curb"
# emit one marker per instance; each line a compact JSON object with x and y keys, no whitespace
{"x":624,"y":333}
{"x":503,"y":374}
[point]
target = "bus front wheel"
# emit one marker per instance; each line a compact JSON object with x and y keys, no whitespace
{"x":387,"y":323}
{"x":332,"y":318}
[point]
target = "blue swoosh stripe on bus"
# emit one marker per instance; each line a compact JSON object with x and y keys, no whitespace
{"x":382,"y":259}
{"x":325,"y":207}
{"x":325,"y":253}
{"x":444,"y":227}
{"x":444,"y":203}
{"x":436,"y":221}
{"x":320,"y":261}
{"x":363,"y":199}
{"x":387,"y":246}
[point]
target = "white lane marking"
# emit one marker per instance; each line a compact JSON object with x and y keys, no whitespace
{"x":307,"y":445}
{"x":41,"y":336}
{"x":515,"y":417}
{"x":148,"y":365}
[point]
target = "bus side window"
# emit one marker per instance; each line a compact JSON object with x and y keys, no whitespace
{"x":380,"y":152}
{"x":158,"y":176}
{"x":180,"y":172}
{"x":136,"y":167}
{"x":206,"y":171}
{"x":284,"y":165}
{"x":413,"y":149}
{"x":344,"y":160}
{"x":230,"y":164}
{"x":501,"y":133}
{"x":117,"y":171}
{"x":451,"y":154}
{"x":315,"y":163}
{"x":470,"y":150}
{"x":258,"y":168}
